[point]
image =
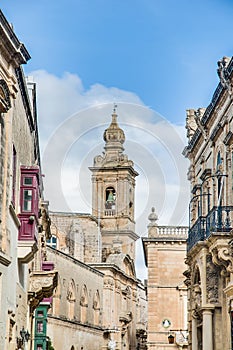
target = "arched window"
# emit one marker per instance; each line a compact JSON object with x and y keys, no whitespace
{"x":96,"y":307}
{"x":52,"y":242}
{"x":110,"y":201}
{"x":110,"y":198}
{"x":197,"y":277}
{"x":84,"y":304}
{"x":71,"y":299}
{"x":219,"y":162}
{"x":57,"y":298}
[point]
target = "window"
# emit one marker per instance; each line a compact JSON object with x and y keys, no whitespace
{"x":110,"y":198}
{"x":39,"y":327}
{"x":52,"y":242}
{"x":40,"y":313}
{"x":29,"y":195}
{"x":96,"y":307}
{"x":27,"y":181}
{"x":219,"y":162}
{"x":84,"y":304}
{"x":27,"y":200}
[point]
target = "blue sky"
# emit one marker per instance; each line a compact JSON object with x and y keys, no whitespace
{"x":163,"y":51}
{"x":154,"y":58}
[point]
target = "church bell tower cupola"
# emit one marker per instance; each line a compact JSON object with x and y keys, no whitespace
{"x":113,"y":190}
{"x":114,"y":137}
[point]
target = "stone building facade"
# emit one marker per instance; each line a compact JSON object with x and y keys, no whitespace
{"x":95,"y":253}
{"x":21,"y":197}
{"x":75,"y":318}
{"x":209,"y":247}
{"x":165,"y":254}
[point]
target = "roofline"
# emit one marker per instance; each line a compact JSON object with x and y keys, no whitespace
{"x":209,"y":110}
{"x":75,"y":214}
{"x":16,"y":45}
{"x":76,"y":261}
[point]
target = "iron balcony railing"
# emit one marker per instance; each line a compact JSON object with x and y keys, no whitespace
{"x":219,"y":219}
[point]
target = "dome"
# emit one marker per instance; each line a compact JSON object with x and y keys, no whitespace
{"x":114,"y":134}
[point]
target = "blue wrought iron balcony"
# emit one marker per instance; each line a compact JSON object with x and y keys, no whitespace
{"x":219,"y":219}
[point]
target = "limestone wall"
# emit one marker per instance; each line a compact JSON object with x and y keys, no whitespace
{"x":76,"y":314}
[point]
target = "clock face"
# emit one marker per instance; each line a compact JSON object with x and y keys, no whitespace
{"x":166,"y":323}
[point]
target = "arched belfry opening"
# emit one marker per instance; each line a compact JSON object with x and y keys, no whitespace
{"x":110,"y":199}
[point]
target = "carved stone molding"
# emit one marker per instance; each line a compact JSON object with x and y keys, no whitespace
{"x":109,"y":283}
{"x":221,"y":252}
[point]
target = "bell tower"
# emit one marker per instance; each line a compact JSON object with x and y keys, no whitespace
{"x":113,"y":192}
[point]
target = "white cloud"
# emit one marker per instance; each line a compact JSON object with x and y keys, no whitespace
{"x":72,"y":121}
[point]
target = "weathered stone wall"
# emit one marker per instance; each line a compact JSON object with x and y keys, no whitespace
{"x":78,"y":235}
{"x":76,"y":314}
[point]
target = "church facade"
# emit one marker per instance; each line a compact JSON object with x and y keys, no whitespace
{"x":99,"y":299}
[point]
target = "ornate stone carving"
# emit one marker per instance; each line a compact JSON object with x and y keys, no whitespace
{"x":187,"y":274}
{"x":198,"y":114}
{"x":108,"y":283}
{"x":196,"y":297}
{"x":212,"y":275}
{"x":118,"y":286}
{"x":222,"y":255}
{"x":191,"y":124}
{"x":224,"y":74}
{"x":42,"y":285}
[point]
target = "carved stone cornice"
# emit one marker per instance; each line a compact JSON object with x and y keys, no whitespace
{"x":17,"y":52}
{"x":42,"y":285}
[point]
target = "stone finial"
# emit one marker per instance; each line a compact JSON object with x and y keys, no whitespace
{"x":152,"y":227}
{"x":153,"y":217}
